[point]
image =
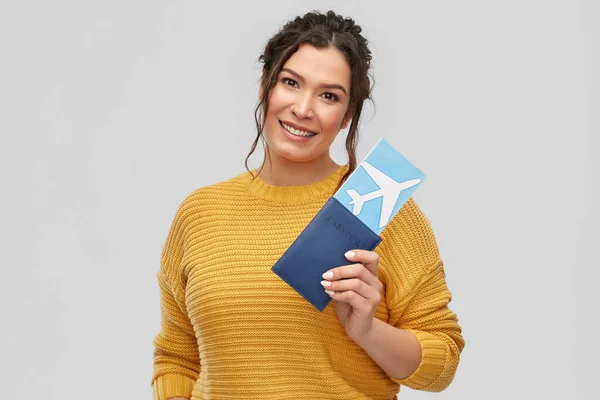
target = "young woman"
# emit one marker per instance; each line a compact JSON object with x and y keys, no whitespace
{"x":230,"y":327}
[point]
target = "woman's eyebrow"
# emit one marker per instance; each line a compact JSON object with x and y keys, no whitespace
{"x":324,"y":85}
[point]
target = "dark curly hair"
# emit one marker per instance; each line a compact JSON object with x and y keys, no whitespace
{"x":322,"y":31}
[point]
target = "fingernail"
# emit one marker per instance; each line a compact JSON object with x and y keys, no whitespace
{"x":325,"y":283}
{"x":329,"y":292}
{"x":349,"y":254}
{"x":328,"y":274}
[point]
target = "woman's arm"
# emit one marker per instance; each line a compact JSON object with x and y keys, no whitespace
{"x":422,"y":348}
{"x":417,"y":298}
{"x":396,"y":351}
{"x":176,"y":355}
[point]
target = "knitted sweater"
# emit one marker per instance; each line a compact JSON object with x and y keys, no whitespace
{"x":232,"y":329}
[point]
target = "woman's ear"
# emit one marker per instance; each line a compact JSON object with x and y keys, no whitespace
{"x":260,"y":83}
{"x":346,"y":120}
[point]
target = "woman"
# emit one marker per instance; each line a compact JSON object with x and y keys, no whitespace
{"x":231,"y":328}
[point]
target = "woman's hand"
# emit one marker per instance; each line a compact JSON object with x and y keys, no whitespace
{"x":356,"y":292}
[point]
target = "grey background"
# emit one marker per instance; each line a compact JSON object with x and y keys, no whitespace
{"x":113,"y":111}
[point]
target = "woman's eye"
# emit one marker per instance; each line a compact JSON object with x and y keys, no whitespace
{"x":330,"y":96}
{"x":290,"y":82}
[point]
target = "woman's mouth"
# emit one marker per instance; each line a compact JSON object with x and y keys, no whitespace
{"x":296,"y":132}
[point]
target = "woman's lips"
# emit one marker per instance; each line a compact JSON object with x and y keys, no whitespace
{"x":293,"y":137}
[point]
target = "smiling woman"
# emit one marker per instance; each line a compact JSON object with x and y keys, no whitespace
{"x":315,"y":80}
{"x":230,"y":328}
{"x":307,"y":109}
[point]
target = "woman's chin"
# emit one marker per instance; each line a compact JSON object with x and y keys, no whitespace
{"x":295,"y":156}
{"x":292,"y":154}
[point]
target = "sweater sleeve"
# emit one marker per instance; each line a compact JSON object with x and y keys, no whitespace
{"x":418,"y":300}
{"x":176,"y":358}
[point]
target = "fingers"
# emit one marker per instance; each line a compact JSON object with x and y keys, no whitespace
{"x":369,"y":259}
{"x":355,"y":285}
{"x":356,"y":299}
{"x":351,"y":271}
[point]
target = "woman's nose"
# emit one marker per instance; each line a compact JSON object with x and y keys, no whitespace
{"x":303,"y":107}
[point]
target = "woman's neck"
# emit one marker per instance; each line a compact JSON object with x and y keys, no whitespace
{"x":279,"y":171}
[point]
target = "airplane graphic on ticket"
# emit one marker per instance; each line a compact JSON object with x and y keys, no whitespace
{"x":379,"y":186}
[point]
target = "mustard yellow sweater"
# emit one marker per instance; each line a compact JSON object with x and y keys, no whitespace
{"x":232,"y":329}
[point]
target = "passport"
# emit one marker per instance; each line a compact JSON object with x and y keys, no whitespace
{"x":352,"y":218}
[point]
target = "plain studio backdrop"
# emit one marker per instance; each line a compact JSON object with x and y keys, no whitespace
{"x":112,"y":112}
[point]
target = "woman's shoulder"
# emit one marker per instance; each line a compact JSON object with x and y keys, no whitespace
{"x":410,"y":221}
{"x":214,"y":194}
{"x":408,"y":242}
{"x":232,"y":185}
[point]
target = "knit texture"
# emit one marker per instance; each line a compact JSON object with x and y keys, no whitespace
{"x":232,"y":329}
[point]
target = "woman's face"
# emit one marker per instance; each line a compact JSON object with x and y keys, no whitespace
{"x":308,"y":103}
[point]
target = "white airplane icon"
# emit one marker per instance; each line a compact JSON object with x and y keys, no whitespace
{"x":389,"y":189}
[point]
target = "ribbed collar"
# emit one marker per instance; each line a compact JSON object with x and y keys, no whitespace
{"x":294,"y":194}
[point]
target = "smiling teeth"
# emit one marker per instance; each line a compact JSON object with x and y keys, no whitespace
{"x":297,"y":132}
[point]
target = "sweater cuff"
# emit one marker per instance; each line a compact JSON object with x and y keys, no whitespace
{"x":434,"y":353}
{"x":172,"y":385}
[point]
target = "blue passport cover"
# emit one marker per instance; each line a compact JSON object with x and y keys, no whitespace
{"x":352,"y":218}
{"x":320,"y":247}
